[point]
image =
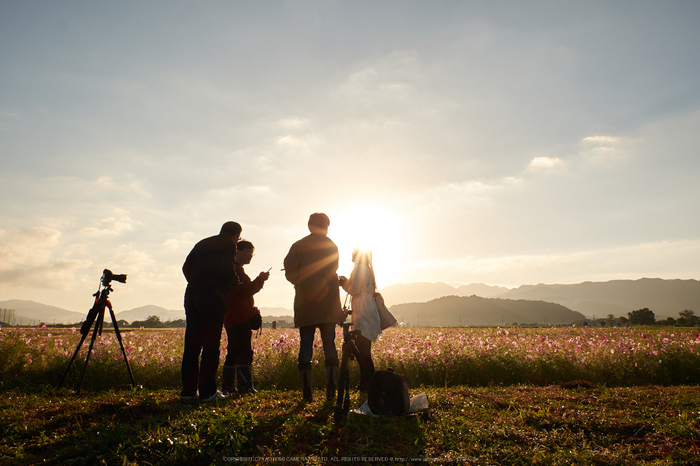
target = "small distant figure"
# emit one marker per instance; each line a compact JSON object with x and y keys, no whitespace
{"x":210,"y":272}
{"x":311,"y":266}
{"x":365,"y":317}
{"x":242,"y":317}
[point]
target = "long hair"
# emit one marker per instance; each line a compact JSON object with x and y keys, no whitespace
{"x":363,"y":256}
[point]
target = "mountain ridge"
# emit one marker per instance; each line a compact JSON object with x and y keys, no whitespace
{"x":32,"y":313}
{"x":475,"y":310}
{"x":666,"y":298}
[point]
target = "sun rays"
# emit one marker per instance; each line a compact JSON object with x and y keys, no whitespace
{"x":372,"y":227}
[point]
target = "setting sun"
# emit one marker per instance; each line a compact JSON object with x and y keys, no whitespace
{"x":373,"y":227}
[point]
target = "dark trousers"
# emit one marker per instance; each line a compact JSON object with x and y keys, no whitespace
{"x":306,"y":345}
{"x":205,"y":319}
{"x":364,"y":346}
{"x":239,"y":351}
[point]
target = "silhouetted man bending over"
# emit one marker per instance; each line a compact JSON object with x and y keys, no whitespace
{"x":209,"y":270}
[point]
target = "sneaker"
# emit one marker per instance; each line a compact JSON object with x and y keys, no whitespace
{"x":189,"y":397}
{"x":215,"y":397}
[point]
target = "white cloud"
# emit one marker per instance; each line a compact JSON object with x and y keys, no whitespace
{"x":360,"y":79}
{"x":287,"y":140}
{"x":26,"y":248}
{"x":544,"y":163}
{"x":130,"y":257}
{"x":601,"y":140}
{"x":104,"y":182}
{"x":294,"y":122}
{"x":38,"y":236}
{"x":387,"y":85}
{"x":111,"y":226}
{"x":33,"y":258}
{"x":179,"y":244}
{"x":604,"y":151}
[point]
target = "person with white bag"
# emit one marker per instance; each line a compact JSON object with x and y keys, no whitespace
{"x":365,"y":317}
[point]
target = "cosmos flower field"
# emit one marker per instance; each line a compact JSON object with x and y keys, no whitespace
{"x":428,"y":357}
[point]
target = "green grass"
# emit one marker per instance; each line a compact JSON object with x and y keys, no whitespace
{"x":497,"y":425}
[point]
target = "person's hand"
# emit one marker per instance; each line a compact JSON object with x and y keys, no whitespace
{"x":264,"y":276}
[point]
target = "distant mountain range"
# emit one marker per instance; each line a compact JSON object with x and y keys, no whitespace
{"x":474,"y":310}
{"x":144,"y":312}
{"x":666,"y":298}
{"x":32,"y":313}
{"x":423,"y":292}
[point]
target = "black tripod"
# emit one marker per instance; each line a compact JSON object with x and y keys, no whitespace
{"x":96,"y":315}
{"x":350,"y":352}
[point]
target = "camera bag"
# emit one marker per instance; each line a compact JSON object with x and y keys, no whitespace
{"x":255,"y":321}
{"x":391,"y":394}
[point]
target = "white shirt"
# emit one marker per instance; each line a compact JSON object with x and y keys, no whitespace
{"x":365,"y":316}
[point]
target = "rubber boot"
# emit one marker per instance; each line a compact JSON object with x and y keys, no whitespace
{"x":307,"y":390}
{"x":244,"y":376}
{"x":228,"y":379}
{"x":331,"y":382}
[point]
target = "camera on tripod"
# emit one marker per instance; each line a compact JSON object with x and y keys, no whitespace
{"x":106,"y":280}
{"x":95,"y":321}
{"x":108,"y":276}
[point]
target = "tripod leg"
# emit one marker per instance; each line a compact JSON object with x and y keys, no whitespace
{"x":374,"y":401}
{"x":346,"y":400}
{"x":119,"y":337}
{"x":84,"y":330}
{"x":95,"y":331}
{"x":75,"y":353}
{"x":343,"y":385}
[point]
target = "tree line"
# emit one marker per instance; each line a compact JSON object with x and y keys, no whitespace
{"x":646,"y":316}
{"x":152,"y":322}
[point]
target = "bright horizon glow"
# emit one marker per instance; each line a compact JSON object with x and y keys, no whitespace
{"x":370,"y":227}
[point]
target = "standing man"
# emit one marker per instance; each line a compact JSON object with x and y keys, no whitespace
{"x":242,"y":317}
{"x":209,"y":270}
{"x":311,"y":266}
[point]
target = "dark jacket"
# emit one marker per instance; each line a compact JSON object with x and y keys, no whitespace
{"x":240,"y":304}
{"x":311,"y":266}
{"x":209,"y":266}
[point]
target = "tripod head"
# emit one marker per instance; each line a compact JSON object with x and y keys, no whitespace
{"x":101,"y":300}
{"x":348,"y":335}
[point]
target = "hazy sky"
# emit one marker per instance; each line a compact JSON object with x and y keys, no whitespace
{"x":496,"y":142}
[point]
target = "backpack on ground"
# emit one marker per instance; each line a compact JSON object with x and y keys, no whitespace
{"x":391,"y":394}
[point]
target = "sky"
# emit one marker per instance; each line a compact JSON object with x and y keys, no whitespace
{"x":501,"y":142}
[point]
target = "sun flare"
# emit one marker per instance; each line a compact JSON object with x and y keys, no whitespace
{"x":370,"y":227}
